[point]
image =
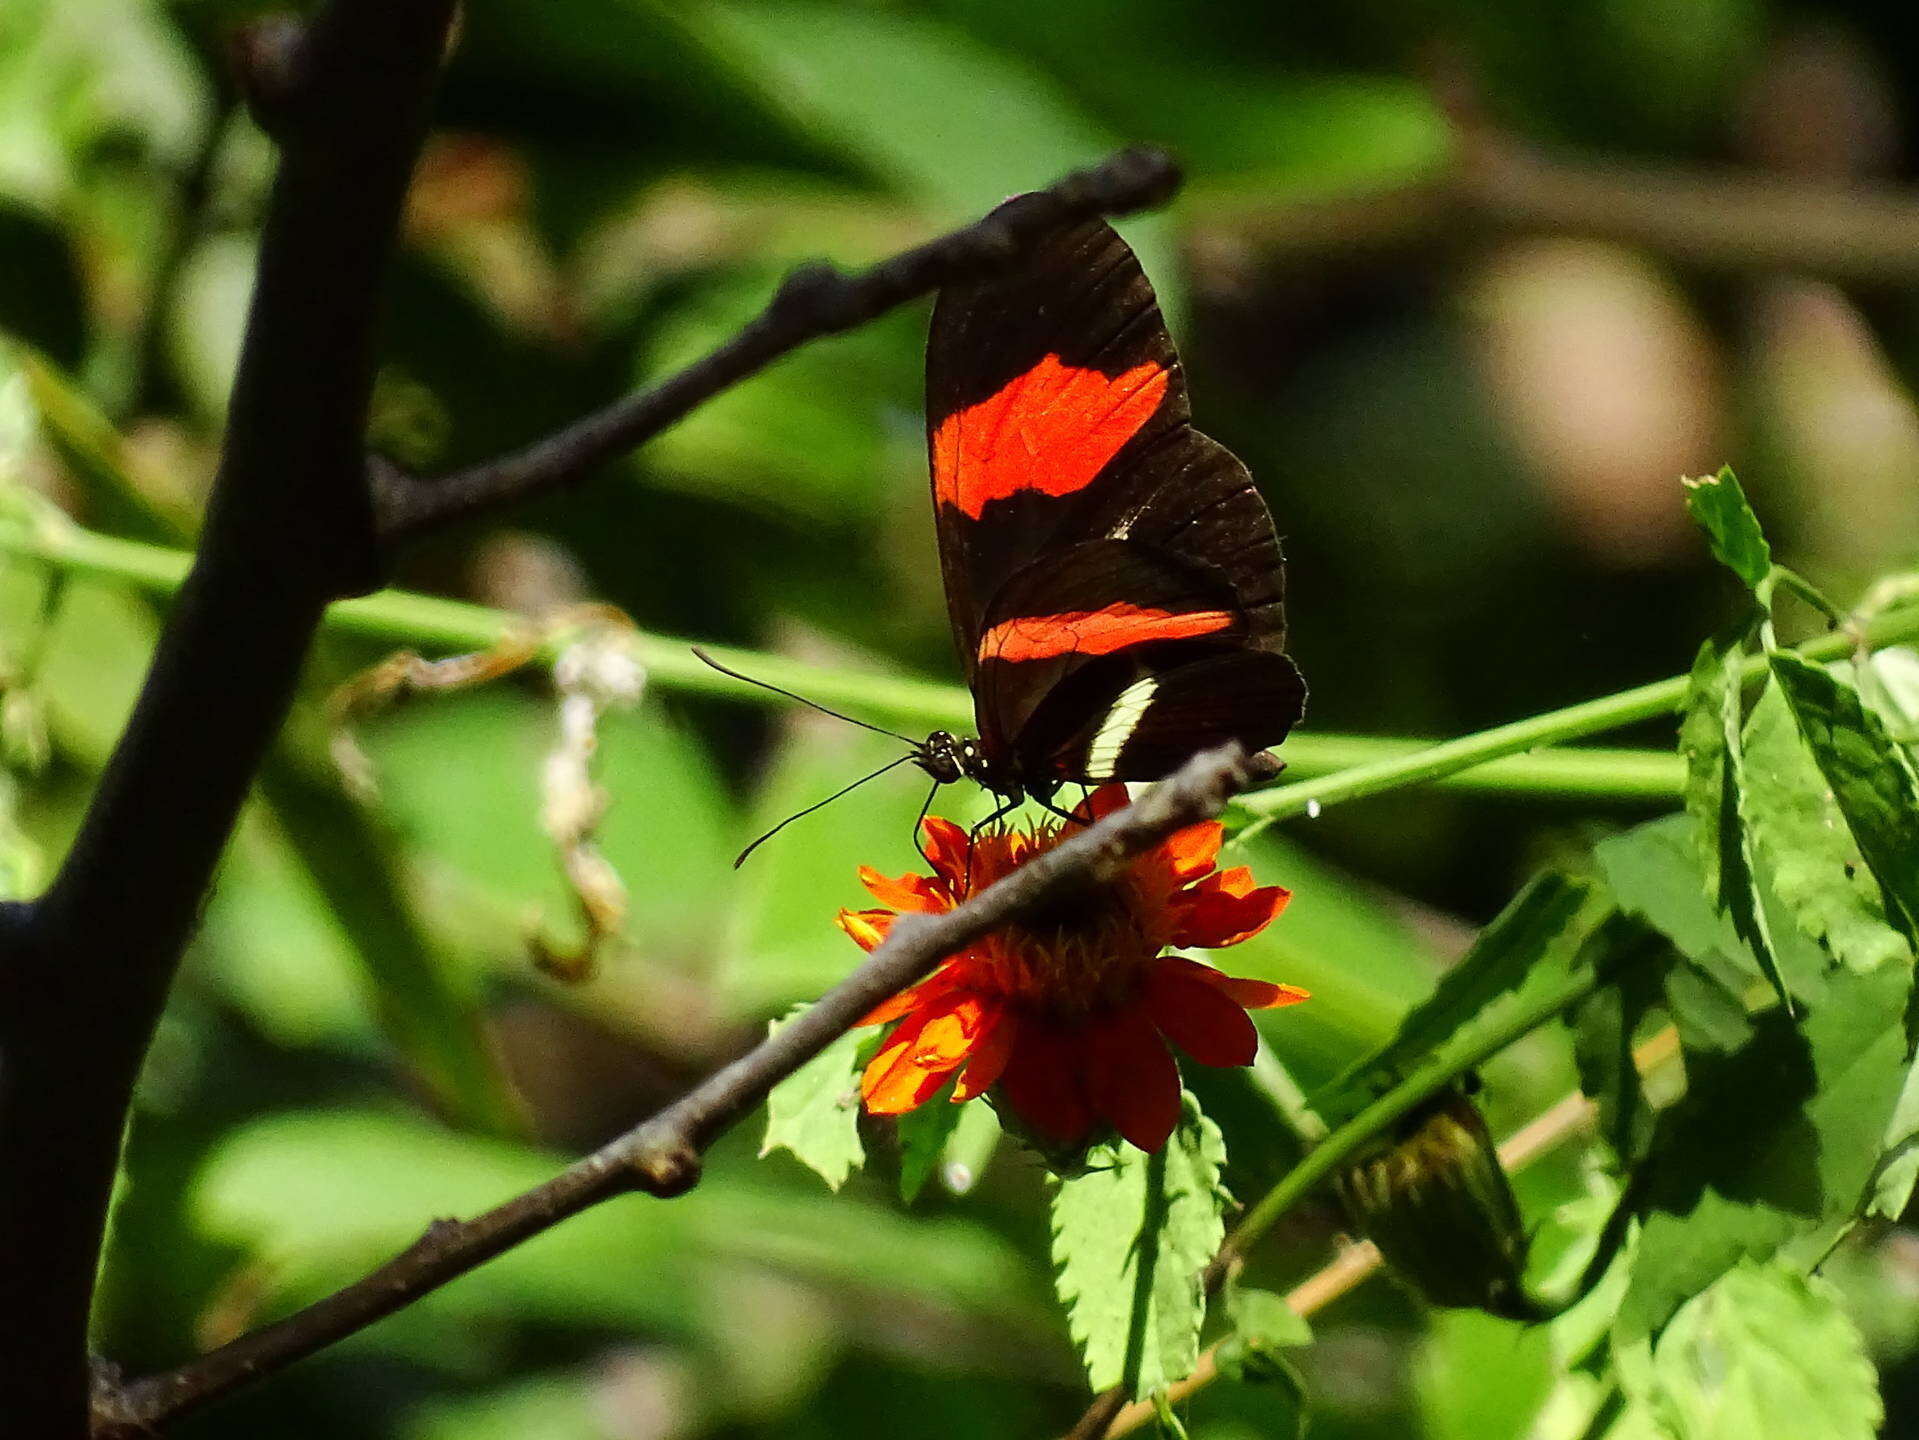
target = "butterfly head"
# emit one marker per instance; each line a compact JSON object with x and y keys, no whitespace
{"x":948,"y":757}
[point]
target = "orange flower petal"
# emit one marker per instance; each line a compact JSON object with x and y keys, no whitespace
{"x":1131,"y":1078}
{"x":890,"y":1078}
{"x":1236,"y":881}
{"x":909,"y":893}
{"x":919,"y":1057}
{"x":867,"y":927}
{"x":1190,"y":853}
{"x":950,"y":1033}
{"x":1253,"y":994}
{"x":1212,"y":916}
{"x":1041,"y":1085}
{"x":1103,"y":802}
{"x":1200,"y":1018}
{"x":933,"y":988}
{"x":991,"y":1050}
{"x":944,"y":845}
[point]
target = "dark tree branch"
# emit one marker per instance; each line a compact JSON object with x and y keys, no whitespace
{"x":814,"y":301}
{"x":84,"y":971}
{"x":662,"y":1156}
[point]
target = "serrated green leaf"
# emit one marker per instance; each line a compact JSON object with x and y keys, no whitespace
{"x":1711,"y":739}
{"x":1653,"y":871}
{"x":1894,"y":690}
{"x":1872,"y":782}
{"x":1130,"y":1242}
{"x":1772,"y":1147}
{"x":1538,"y":925}
{"x":1719,"y":506}
{"x":815,"y":1111}
{"x":1813,"y":863}
{"x":1899,"y":1166}
{"x":1603,"y":1028}
{"x":923,"y":1134}
{"x":1765,"y":1346}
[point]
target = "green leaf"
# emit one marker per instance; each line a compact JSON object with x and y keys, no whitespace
{"x":1604,"y":1026}
{"x":1813,"y":863}
{"x":1899,"y":1166}
{"x":1872,"y":781}
{"x":1719,"y":506}
{"x":1773,"y":1146}
{"x":1710,"y":737}
{"x":969,"y":1149}
{"x":923,"y":1134}
{"x":1130,"y":1242}
{"x":315,"y":1199}
{"x":1765,"y":1346}
{"x":1263,"y":1326}
{"x":1654,"y":873}
{"x":815,"y":1111}
{"x":1538,"y":926}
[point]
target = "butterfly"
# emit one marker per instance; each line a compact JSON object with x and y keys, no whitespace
{"x":1113,"y":577}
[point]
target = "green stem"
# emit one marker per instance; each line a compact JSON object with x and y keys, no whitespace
{"x":1427,"y":1080}
{"x":402,"y":618}
{"x":1592,"y":717}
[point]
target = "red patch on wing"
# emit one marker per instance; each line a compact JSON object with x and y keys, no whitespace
{"x":1095,"y":632}
{"x":1051,"y":430}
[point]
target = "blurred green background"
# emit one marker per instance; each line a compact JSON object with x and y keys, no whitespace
{"x":1469,"y":431}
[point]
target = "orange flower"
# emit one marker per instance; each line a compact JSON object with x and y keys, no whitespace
{"x":1066,"y":1016}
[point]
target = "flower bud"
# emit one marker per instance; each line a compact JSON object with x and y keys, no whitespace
{"x":1437,"y":1203}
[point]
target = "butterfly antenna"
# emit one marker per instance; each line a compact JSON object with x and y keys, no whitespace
{"x":777,"y":690}
{"x":816,"y":805}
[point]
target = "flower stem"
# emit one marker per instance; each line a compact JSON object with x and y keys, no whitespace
{"x":404,"y":618}
{"x":1503,"y":742}
{"x":1428,"y":1079}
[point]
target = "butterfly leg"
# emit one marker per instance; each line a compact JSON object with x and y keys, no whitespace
{"x":972,"y":836}
{"x":919,"y":824}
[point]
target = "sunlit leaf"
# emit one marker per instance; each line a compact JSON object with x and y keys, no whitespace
{"x":815,"y":1111}
{"x":1719,"y":506}
{"x":1872,"y":781}
{"x":1772,"y":1147}
{"x":1813,"y":863}
{"x":1763,"y":1344}
{"x":1899,"y":1167}
{"x":1654,"y":872}
{"x":1538,"y":925}
{"x":1711,"y":739}
{"x":1130,"y":1240}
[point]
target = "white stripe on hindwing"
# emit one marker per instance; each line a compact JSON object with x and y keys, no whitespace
{"x":1102,"y":756}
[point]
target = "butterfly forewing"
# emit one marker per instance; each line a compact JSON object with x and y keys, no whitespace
{"x":1095,"y":547}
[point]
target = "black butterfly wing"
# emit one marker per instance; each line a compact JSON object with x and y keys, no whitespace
{"x":1037,"y":379}
{"x":1090,"y":538}
{"x":1116,"y":660}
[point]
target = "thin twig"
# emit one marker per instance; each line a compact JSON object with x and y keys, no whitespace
{"x":661,"y":1156}
{"x":814,"y":301}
